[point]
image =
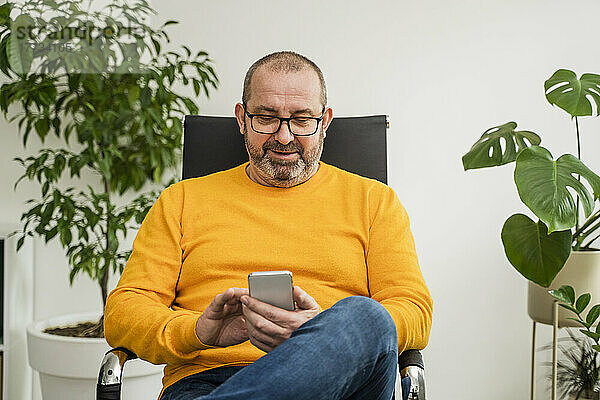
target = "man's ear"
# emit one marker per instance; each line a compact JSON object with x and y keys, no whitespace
{"x":327,"y":118}
{"x":240,"y":116}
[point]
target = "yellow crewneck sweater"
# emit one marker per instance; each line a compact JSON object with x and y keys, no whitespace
{"x":340,"y":235}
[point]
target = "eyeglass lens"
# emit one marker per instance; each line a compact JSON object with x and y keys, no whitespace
{"x":298,"y":126}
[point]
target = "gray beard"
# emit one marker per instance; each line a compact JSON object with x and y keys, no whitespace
{"x":285,"y":173}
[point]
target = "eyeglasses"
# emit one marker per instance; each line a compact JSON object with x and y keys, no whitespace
{"x":270,"y":124}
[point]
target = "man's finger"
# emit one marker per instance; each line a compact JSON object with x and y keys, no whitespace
{"x":260,"y":345}
{"x":231,"y":293}
{"x":257,"y":337}
{"x":261,"y":326}
{"x":268,"y":311}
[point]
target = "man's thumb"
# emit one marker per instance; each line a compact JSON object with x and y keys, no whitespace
{"x":303,"y":300}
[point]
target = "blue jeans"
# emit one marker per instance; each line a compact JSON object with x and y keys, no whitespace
{"x":349,"y":351}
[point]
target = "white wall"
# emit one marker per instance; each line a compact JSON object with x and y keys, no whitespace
{"x":444,"y":72}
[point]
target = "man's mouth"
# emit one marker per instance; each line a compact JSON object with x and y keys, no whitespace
{"x":282,"y":154}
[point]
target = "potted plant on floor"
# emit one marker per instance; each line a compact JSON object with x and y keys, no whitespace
{"x":556,"y":249}
{"x":579,"y":369}
{"x":101,"y":81}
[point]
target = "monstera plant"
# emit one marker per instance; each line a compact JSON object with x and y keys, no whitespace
{"x":102,"y":81}
{"x":539,"y":249}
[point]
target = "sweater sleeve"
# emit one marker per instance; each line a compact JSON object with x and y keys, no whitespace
{"x":395,"y":278}
{"x":138,"y":314}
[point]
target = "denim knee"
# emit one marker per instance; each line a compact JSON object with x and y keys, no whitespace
{"x":368,"y":316}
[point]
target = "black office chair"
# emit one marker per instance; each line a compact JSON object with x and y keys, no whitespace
{"x":211,"y":144}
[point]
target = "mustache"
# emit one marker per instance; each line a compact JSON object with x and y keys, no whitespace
{"x":281,"y":149}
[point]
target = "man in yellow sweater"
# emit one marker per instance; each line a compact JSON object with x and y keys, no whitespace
{"x":360,"y":296}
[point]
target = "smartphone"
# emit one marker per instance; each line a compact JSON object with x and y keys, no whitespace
{"x":273,"y":287}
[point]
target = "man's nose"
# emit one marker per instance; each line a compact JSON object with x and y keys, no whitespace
{"x":283,"y":135}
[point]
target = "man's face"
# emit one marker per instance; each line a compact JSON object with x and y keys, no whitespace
{"x":283,"y":94}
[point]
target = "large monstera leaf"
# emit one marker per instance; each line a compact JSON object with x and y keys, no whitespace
{"x":569,"y":93}
{"x":542,"y":185}
{"x":537,"y":255}
{"x":479,"y":155}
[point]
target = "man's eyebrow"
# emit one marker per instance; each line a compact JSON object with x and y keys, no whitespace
{"x":303,"y":111}
{"x":260,"y":109}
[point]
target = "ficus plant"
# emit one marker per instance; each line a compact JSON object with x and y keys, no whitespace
{"x":102,"y":81}
{"x":539,"y":250}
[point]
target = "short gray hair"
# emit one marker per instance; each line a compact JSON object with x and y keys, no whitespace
{"x":284,"y":61}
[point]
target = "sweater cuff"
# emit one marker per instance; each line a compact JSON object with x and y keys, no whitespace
{"x":190,"y":338}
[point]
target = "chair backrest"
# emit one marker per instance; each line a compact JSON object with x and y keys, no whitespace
{"x":355,"y":144}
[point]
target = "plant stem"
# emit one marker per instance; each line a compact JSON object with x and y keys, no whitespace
{"x":104,"y":279}
{"x":584,"y":235}
{"x":590,"y":221}
{"x":587,"y":246}
{"x":578,"y":176}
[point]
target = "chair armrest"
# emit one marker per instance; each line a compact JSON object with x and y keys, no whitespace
{"x":410,"y":364}
{"x":111,"y":373}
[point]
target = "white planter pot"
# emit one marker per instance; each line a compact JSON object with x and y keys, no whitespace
{"x":69,"y":366}
{"x":582,"y":271}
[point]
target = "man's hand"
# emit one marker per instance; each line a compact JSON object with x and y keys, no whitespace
{"x":222,"y":323}
{"x":269,"y":326}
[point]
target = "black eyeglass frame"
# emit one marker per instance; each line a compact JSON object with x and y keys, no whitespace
{"x":281,"y":119}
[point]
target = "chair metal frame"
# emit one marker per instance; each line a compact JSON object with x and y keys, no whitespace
{"x":110,"y":377}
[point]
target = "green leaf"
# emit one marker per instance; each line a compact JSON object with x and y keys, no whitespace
{"x":5,"y":10}
{"x":560,"y":295}
{"x":56,"y":125}
{"x":156,"y":46}
{"x":90,"y":106}
{"x":104,"y":166}
{"x":582,"y":302}
{"x":20,"y":243}
{"x":20,"y":52}
{"x":569,"y":292}
{"x":42,"y":126}
{"x":196,"y":87}
{"x":4,"y":67}
{"x":145,"y":96}
{"x":156,"y":174}
{"x":51,"y":233}
{"x":47,"y":212}
{"x":564,"y":90}
{"x":543,"y":185}
{"x":65,"y":237}
{"x":532,"y":252}
{"x":45,"y":188}
{"x":593,"y":314}
{"x":596,"y":347}
{"x":479,"y":155}
{"x":593,"y":335}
